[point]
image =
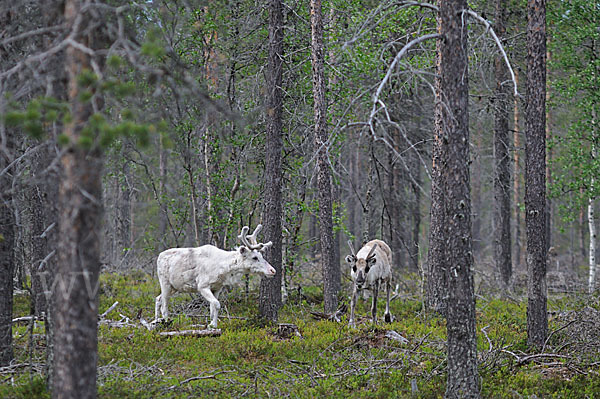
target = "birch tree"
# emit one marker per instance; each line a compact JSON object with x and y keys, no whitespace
{"x":575,"y":163}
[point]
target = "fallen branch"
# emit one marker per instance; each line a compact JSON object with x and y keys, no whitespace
{"x":14,"y":367}
{"x":391,"y":334}
{"x":110,"y":309}
{"x":192,"y":333}
{"x":335,"y":316}
{"x":26,"y":319}
{"x":201,"y":377}
{"x":124,"y":322}
{"x":526,"y":359}
{"x":149,"y":326}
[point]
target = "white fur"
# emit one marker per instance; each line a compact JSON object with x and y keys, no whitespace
{"x":206,"y":270}
{"x":379,"y":271}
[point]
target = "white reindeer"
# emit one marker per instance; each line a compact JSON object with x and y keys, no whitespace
{"x":371,"y":266}
{"x":207,"y":269}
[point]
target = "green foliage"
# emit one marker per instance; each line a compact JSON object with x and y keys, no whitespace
{"x":575,"y":79}
{"x":98,"y":131}
{"x":153,"y":45}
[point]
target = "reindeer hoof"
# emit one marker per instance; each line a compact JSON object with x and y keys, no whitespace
{"x":388,"y":318}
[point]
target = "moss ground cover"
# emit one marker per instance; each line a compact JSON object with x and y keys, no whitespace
{"x":328,"y":360}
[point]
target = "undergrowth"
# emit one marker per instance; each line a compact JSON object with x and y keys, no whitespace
{"x":328,"y":360}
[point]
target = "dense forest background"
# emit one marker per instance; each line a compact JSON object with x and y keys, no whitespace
{"x":200,"y":177}
{"x":176,"y":107}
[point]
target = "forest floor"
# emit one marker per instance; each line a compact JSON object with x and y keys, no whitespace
{"x":324,"y":358}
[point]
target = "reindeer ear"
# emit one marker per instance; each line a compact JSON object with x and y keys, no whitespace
{"x":350,"y":259}
{"x":243,"y":250}
{"x":373,"y":260}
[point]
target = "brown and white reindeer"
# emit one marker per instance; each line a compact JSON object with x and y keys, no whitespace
{"x":207,"y":269}
{"x":371,"y":266}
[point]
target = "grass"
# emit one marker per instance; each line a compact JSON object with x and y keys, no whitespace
{"x":330,"y":359}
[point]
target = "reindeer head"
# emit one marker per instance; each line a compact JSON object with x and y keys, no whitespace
{"x":360,"y":266}
{"x":251,"y":252}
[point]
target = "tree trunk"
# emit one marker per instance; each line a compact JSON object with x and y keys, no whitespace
{"x":581,"y":232}
{"x":44,"y":219}
{"x":436,"y":284}
{"x":367,"y":214}
{"x":56,"y":87}
{"x":592,"y":258}
{"x":394,"y":188}
{"x":80,"y":209}
{"x":476,"y":202}
{"x":7,"y":239}
{"x":270,"y":289}
{"x":549,"y":204}
{"x":416,"y":215}
{"x":351,"y":195}
{"x":38,"y":249}
{"x":592,"y":220}
{"x":502,"y":244}
{"x":517,"y":177}
{"x":331,"y":271}
{"x":124,"y":214}
{"x":535,"y":170}
{"x":162,"y":195}
{"x":463,"y":380}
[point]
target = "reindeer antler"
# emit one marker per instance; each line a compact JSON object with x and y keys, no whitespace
{"x":351,"y":248}
{"x":244,"y":238}
{"x":249,"y":240}
{"x":252,"y":237}
{"x":372,"y":251}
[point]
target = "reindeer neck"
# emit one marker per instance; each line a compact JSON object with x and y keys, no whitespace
{"x":237,"y":266}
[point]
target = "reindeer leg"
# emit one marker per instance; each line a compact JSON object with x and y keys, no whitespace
{"x":352,"y":305}
{"x":215,"y":306}
{"x":374,"y":304}
{"x":157,"y":303}
{"x":163,"y":300}
{"x":388,"y":315}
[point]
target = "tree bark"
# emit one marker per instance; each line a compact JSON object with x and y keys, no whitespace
{"x":415,"y":206}
{"x":476,"y":201}
{"x":124,"y":212}
{"x":162,"y":194}
{"x":592,"y":256}
{"x":80,"y":209}
{"x":592,"y":220}
{"x":502,"y":210}
{"x":331,"y":271}
{"x":7,"y":238}
{"x":44,"y":220}
{"x":517,"y":177}
{"x":463,"y":380}
{"x":38,"y":249}
{"x":270,"y":289}
{"x":535,"y":170}
{"x":436,"y":283}
{"x":56,"y":87}
{"x":549,"y":203}
{"x":416,"y":227}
